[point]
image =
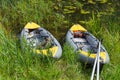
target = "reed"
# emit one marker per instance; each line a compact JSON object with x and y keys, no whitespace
{"x":16,"y":63}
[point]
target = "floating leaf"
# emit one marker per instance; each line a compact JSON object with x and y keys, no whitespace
{"x":67,"y":11}
{"x":91,"y":1}
{"x":83,"y":22}
{"x":103,"y":1}
{"x":56,"y":7}
{"x":84,"y":12}
{"x":66,"y":22}
{"x":69,"y":7}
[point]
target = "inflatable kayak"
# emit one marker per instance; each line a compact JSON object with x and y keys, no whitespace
{"x":41,"y":40}
{"x":86,"y":45}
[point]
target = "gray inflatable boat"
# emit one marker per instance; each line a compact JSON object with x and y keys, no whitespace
{"x":86,"y":45}
{"x":41,"y":40}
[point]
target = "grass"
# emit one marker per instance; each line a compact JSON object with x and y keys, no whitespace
{"x":17,"y":64}
{"x":23,"y":64}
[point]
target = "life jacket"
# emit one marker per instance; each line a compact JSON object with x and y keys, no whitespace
{"x":78,"y":33}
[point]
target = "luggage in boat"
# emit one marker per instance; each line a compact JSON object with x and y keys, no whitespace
{"x":40,"y":40}
{"x":86,"y":45}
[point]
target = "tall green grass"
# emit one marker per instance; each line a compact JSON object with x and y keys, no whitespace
{"x":18,"y":13}
{"x":17,"y":63}
{"x":24,"y":64}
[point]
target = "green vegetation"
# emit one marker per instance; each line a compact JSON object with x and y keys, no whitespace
{"x":100,"y":17}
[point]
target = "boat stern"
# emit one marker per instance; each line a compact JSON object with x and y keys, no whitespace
{"x":90,"y":57}
{"x":55,"y":52}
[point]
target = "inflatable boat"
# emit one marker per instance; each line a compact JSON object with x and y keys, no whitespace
{"x":86,"y":45}
{"x":40,"y":40}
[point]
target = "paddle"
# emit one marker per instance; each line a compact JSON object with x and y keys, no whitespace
{"x":96,"y":62}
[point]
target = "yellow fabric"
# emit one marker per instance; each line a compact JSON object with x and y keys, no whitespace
{"x":77,"y":27}
{"x":91,"y":55}
{"x":45,"y":51}
{"x":32,"y":25}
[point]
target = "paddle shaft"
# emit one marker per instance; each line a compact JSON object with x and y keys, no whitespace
{"x":96,"y":61}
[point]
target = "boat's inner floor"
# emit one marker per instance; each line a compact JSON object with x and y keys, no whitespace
{"x":83,"y":44}
{"x":44,"y":42}
{"x":40,"y":40}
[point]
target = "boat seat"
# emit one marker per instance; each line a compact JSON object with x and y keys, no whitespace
{"x":79,"y":40}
